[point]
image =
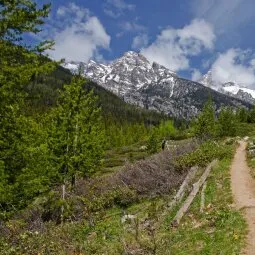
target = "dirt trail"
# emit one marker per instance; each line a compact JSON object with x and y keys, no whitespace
{"x":243,"y":187}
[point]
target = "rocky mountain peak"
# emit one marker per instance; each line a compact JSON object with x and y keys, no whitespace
{"x":134,"y":55}
{"x":131,"y":60}
{"x":131,"y":54}
{"x":207,"y":79}
{"x":153,"y":86}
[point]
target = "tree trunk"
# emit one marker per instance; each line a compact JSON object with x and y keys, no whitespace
{"x":63,"y":194}
{"x":73,"y":182}
{"x":63,"y":198}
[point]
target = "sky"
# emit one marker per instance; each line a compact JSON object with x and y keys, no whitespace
{"x":189,"y":37}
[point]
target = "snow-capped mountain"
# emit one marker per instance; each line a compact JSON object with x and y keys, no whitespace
{"x":229,"y":88}
{"x":153,"y":86}
{"x":128,"y":73}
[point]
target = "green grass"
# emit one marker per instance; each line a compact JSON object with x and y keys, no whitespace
{"x":219,"y":230}
{"x":118,"y":157}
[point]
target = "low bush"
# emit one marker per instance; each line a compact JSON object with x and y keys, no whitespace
{"x":119,"y":196}
{"x":245,"y":129}
{"x":203,"y":155}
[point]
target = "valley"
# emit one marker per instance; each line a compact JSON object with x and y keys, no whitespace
{"x":121,"y":156}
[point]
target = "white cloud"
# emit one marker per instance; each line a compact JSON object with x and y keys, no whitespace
{"x":234,"y":65}
{"x":140,"y":41}
{"x":111,"y":13}
{"x":120,"y":34}
{"x":132,"y":27}
{"x":196,"y":75}
{"x":121,"y":4}
{"x":61,"y":11}
{"x":72,"y":12}
{"x":199,"y":31}
{"x":225,"y":15}
{"x":173,"y":46}
{"x":78,"y":36}
{"x":117,"y":8}
{"x":252,"y":63}
{"x":206,"y":63}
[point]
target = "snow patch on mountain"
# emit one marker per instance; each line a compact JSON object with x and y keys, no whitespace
{"x":230,"y":88}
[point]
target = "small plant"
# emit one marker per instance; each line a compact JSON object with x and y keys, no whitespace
{"x":152,"y":145}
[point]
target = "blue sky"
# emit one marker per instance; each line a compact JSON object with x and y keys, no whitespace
{"x":187,"y":36}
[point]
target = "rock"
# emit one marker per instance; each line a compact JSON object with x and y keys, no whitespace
{"x":246,"y":138}
{"x":127,"y":217}
{"x":229,"y":141}
{"x":143,"y":148}
{"x":252,"y":152}
{"x":92,"y":236}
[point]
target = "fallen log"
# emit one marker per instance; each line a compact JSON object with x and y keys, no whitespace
{"x":179,"y":195}
{"x":193,"y":193}
{"x":202,"y":203}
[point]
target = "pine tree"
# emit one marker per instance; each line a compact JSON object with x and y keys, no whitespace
{"x":77,"y":136}
{"x":205,"y":123}
{"x":226,"y":123}
{"x":251,"y":116}
{"x":152,"y":144}
{"x":20,"y":65}
{"x":242,"y":114}
{"x":4,"y":187}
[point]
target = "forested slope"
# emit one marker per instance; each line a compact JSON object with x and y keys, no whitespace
{"x":44,"y":91}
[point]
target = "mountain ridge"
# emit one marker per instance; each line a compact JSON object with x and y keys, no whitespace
{"x":153,"y":86}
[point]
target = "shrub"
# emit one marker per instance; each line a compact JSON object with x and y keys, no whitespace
{"x":120,"y":196}
{"x":203,"y":155}
{"x":204,"y":126}
{"x":167,"y":129}
{"x":227,"y":123}
{"x":152,"y":144}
